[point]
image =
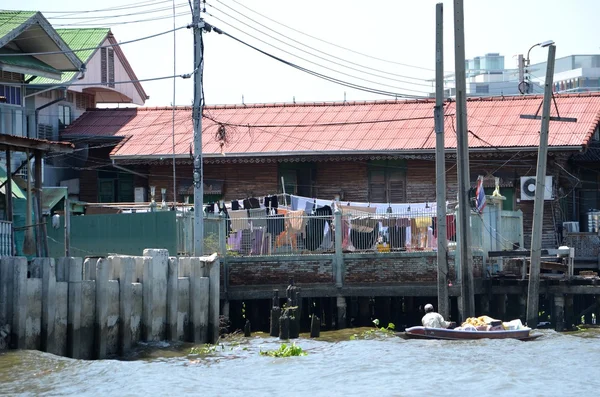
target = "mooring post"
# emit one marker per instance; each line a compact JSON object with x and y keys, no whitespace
{"x":341,"y":312}
{"x":315,"y":327}
{"x":247,"y":329}
{"x":284,"y":326}
{"x":559,"y":312}
{"x":275,"y":314}
{"x":199,"y":286}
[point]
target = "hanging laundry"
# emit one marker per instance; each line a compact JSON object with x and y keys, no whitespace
{"x":315,"y":228}
{"x":257,"y":217}
{"x":235,"y":205}
{"x":239,"y":220}
{"x":275,"y":224}
{"x":251,"y":203}
{"x":450,"y":226}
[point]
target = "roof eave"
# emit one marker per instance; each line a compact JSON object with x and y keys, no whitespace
{"x":154,"y":157}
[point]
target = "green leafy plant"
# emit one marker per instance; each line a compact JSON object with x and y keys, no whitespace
{"x":378,"y":331}
{"x":205,"y":349}
{"x":285,"y":351}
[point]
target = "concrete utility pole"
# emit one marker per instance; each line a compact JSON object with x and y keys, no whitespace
{"x":523,"y":86}
{"x":440,"y":165}
{"x":464,"y":210}
{"x":533,"y":290}
{"x":198,"y":25}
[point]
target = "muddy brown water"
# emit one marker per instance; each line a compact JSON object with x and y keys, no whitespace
{"x":554,"y":365}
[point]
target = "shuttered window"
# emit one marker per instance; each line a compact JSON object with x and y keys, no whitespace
{"x":103,"y":66}
{"x":387,"y":181}
{"x":111,"y":67}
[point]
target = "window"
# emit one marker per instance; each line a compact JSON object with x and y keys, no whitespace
{"x":115,"y":187}
{"x":11,"y":120}
{"x":84,"y":101}
{"x":298,"y":178}
{"x":387,"y":181}
{"x":46,"y":94}
{"x":482,"y":89}
{"x":11,"y":94}
{"x":64,"y":116}
{"x":107,"y":67}
{"x":45,"y":132}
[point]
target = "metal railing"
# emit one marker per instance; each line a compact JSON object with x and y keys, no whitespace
{"x":296,"y":233}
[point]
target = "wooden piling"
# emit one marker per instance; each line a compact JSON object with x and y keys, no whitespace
{"x":315,"y":327}
{"x":284,"y":326}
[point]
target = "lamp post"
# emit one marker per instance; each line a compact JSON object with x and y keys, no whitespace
{"x":526,"y":63}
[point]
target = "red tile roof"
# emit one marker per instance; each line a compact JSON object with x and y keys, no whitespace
{"x":337,"y":128}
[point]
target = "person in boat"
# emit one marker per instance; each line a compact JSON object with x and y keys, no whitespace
{"x":431,"y":319}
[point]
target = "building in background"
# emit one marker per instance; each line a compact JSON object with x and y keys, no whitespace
{"x":573,"y":73}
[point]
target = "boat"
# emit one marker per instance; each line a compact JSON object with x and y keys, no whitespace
{"x":419,"y":332}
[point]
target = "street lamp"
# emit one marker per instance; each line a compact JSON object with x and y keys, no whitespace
{"x":527,"y":62}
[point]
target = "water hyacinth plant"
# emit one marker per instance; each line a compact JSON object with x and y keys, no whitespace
{"x":285,"y":351}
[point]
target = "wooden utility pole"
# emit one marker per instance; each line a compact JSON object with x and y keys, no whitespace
{"x":465,"y":254}
{"x":533,"y":290}
{"x":440,"y":165}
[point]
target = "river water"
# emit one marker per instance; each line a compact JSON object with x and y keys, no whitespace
{"x":554,"y":365}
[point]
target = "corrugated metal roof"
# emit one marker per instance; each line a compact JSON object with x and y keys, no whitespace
{"x":330,"y":128}
{"x":25,"y":61}
{"x":10,"y":20}
{"x":77,"y":39}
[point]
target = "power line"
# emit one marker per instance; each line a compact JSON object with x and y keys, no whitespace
{"x":19,"y":54}
{"x":317,"y":64}
{"x":319,"y":51}
{"x":132,"y":5}
{"x":322,"y":76}
{"x":137,"y":12}
{"x":158,"y":18}
{"x":332,"y":44}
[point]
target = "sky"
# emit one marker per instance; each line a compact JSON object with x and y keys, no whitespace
{"x":387,"y":45}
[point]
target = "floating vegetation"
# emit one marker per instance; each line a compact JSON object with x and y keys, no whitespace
{"x":375,"y":332}
{"x":206,"y":349}
{"x":285,"y":351}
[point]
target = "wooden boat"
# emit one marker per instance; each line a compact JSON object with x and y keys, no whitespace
{"x":523,"y":334}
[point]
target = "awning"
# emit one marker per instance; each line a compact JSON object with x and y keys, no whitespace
{"x":16,"y":190}
{"x":52,"y":196}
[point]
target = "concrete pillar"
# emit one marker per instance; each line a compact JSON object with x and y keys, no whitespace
{"x":74,"y":277}
{"x":6,"y":274}
{"x":485,"y":304}
{"x":89,"y":268}
{"x":62,"y":268}
{"x":339,"y":255}
{"x":199,"y":302}
{"x":523,"y":309}
{"x":48,"y":269}
{"x":341,"y":312}
{"x":15,"y":270}
{"x":559,"y":312}
{"x":501,"y":306}
{"x":101,"y":322}
{"x":172,"y":299}
{"x":364,"y":311}
{"x":214,"y":275}
{"x":570,"y":319}
{"x":127,"y":271}
{"x":155,"y":293}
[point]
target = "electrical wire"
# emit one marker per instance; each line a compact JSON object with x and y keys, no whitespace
{"x":124,"y":7}
{"x":322,"y":52}
{"x":315,"y":63}
{"x":322,"y":76}
{"x":158,"y":18}
{"x":332,"y":44}
{"x":20,"y":54}
{"x":105,"y":17}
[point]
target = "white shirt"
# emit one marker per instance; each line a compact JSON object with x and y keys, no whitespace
{"x":434,"y":320}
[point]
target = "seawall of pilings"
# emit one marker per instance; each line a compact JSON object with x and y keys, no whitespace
{"x":101,"y":307}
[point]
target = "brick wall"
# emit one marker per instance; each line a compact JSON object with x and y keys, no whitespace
{"x":240,"y":180}
{"x":348,"y":178}
{"x":360,"y":269}
{"x":279,"y":271}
